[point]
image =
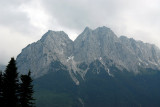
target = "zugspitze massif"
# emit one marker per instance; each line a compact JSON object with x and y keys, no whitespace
{"x":99,"y":47}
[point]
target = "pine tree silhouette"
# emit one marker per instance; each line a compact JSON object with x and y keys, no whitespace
{"x":1,"y":90}
{"x":14,"y":93}
{"x":26,"y":91}
{"x":10,"y":85}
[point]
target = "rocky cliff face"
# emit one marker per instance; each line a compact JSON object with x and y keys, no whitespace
{"x":38,"y":56}
{"x":100,"y":45}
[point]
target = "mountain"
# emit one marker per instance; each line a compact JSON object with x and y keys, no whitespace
{"x":38,"y":56}
{"x":97,"y":69}
{"x":2,"y":67}
{"x":127,"y":53}
{"x":99,"y":44}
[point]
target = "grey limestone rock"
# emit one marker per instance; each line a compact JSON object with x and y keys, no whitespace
{"x":99,"y":44}
{"x":38,"y":56}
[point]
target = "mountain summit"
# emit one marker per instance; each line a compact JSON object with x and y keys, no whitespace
{"x":100,"y":44}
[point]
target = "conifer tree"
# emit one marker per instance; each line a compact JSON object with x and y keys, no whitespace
{"x":10,"y":85}
{"x":1,"y":88}
{"x":26,"y":91}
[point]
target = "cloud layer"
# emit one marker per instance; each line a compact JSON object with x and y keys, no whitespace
{"x":25,"y":21}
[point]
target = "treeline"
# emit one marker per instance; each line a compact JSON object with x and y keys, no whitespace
{"x":15,"y":90}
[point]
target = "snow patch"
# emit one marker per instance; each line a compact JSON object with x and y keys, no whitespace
{"x":140,"y":59}
{"x":152,"y":62}
{"x":70,"y":58}
{"x":139,"y":64}
{"x":73,"y":77}
{"x":108,"y":71}
{"x":72,"y":68}
{"x":100,"y":58}
{"x":81,"y":101}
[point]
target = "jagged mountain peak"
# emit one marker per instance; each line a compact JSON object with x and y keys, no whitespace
{"x":102,"y":28}
{"x":99,"y":44}
{"x":100,"y":31}
{"x":87,"y":29}
{"x":54,"y":45}
{"x":92,"y":44}
{"x":125,"y":38}
{"x":56,"y":35}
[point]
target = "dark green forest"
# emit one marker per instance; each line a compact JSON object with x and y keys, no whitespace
{"x":57,"y":89}
{"x":125,"y":89}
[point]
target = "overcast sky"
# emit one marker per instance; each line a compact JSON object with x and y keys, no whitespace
{"x":25,"y":21}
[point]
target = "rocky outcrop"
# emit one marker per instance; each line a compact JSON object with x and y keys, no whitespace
{"x":38,"y":56}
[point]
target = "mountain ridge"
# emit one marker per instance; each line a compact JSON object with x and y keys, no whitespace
{"x":98,"y":69}
{"x":99,"y":44}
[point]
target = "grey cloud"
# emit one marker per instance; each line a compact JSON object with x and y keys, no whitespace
{"x":79,"y":14}
{"x":15,"y":28}
{"x":12,"y":17}
{"x":126,"y":17}
{"x":134,"y":18}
